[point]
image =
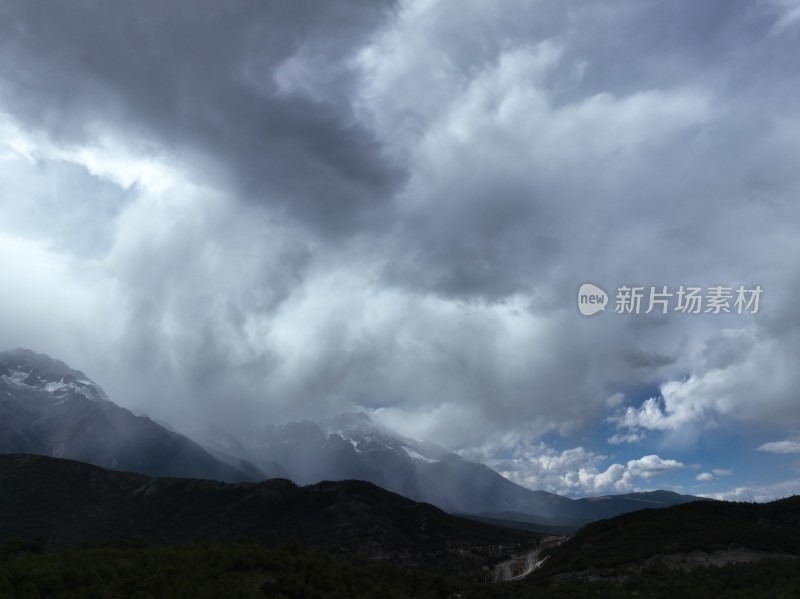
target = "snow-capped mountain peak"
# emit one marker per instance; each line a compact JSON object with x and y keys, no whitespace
{"x":23,"y":370}
{"x":47,"y":408}
{"x":352,"y":446}
{"x":365,"y":435}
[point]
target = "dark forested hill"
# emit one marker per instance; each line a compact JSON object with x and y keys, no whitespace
{"x":684,"y":532}
{"x":69,"y":502}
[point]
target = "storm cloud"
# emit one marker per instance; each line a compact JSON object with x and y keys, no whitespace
{"x":251,"y":212}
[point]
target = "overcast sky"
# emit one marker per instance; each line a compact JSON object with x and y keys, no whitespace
{"x":249,"y":212}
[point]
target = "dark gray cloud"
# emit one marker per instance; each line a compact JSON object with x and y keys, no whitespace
{"x":199,"y":80}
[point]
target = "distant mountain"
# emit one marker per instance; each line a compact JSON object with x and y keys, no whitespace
{"x":49,"y":409}
{"x":70,"y":502}
{"x":351,"y":446}
{"x":230,"y":449}
{"x":589,"y":509}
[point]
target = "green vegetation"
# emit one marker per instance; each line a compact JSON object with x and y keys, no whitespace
{"x":767,"y":579}
{"x":204,"y":569}
{"x":247,"y":569}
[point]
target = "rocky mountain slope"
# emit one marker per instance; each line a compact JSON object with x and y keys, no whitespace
{"x":50,"y":409}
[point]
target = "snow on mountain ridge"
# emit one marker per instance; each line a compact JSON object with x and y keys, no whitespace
{"x":420,"y":458}
{"x":58,"y":389}
{"x":24,"y":369}
{"x":47,"y":408}
{"x":366,"y":435}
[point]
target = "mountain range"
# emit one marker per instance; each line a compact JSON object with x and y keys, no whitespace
{"x":353,"y":446}
{"x":50,"y":409}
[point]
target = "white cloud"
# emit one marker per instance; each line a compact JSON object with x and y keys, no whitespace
{"x":574,"y":472}
{"x":704,"y":476}
{"x":758,"y":493}
{"x":629,"y":438}
{"x":57,"y":321}
{"x":781,"y":447}
{"x":738,"y":375}
{"x":652,"y":465}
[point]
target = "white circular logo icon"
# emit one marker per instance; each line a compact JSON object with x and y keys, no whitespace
{"x":591,"y":299}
